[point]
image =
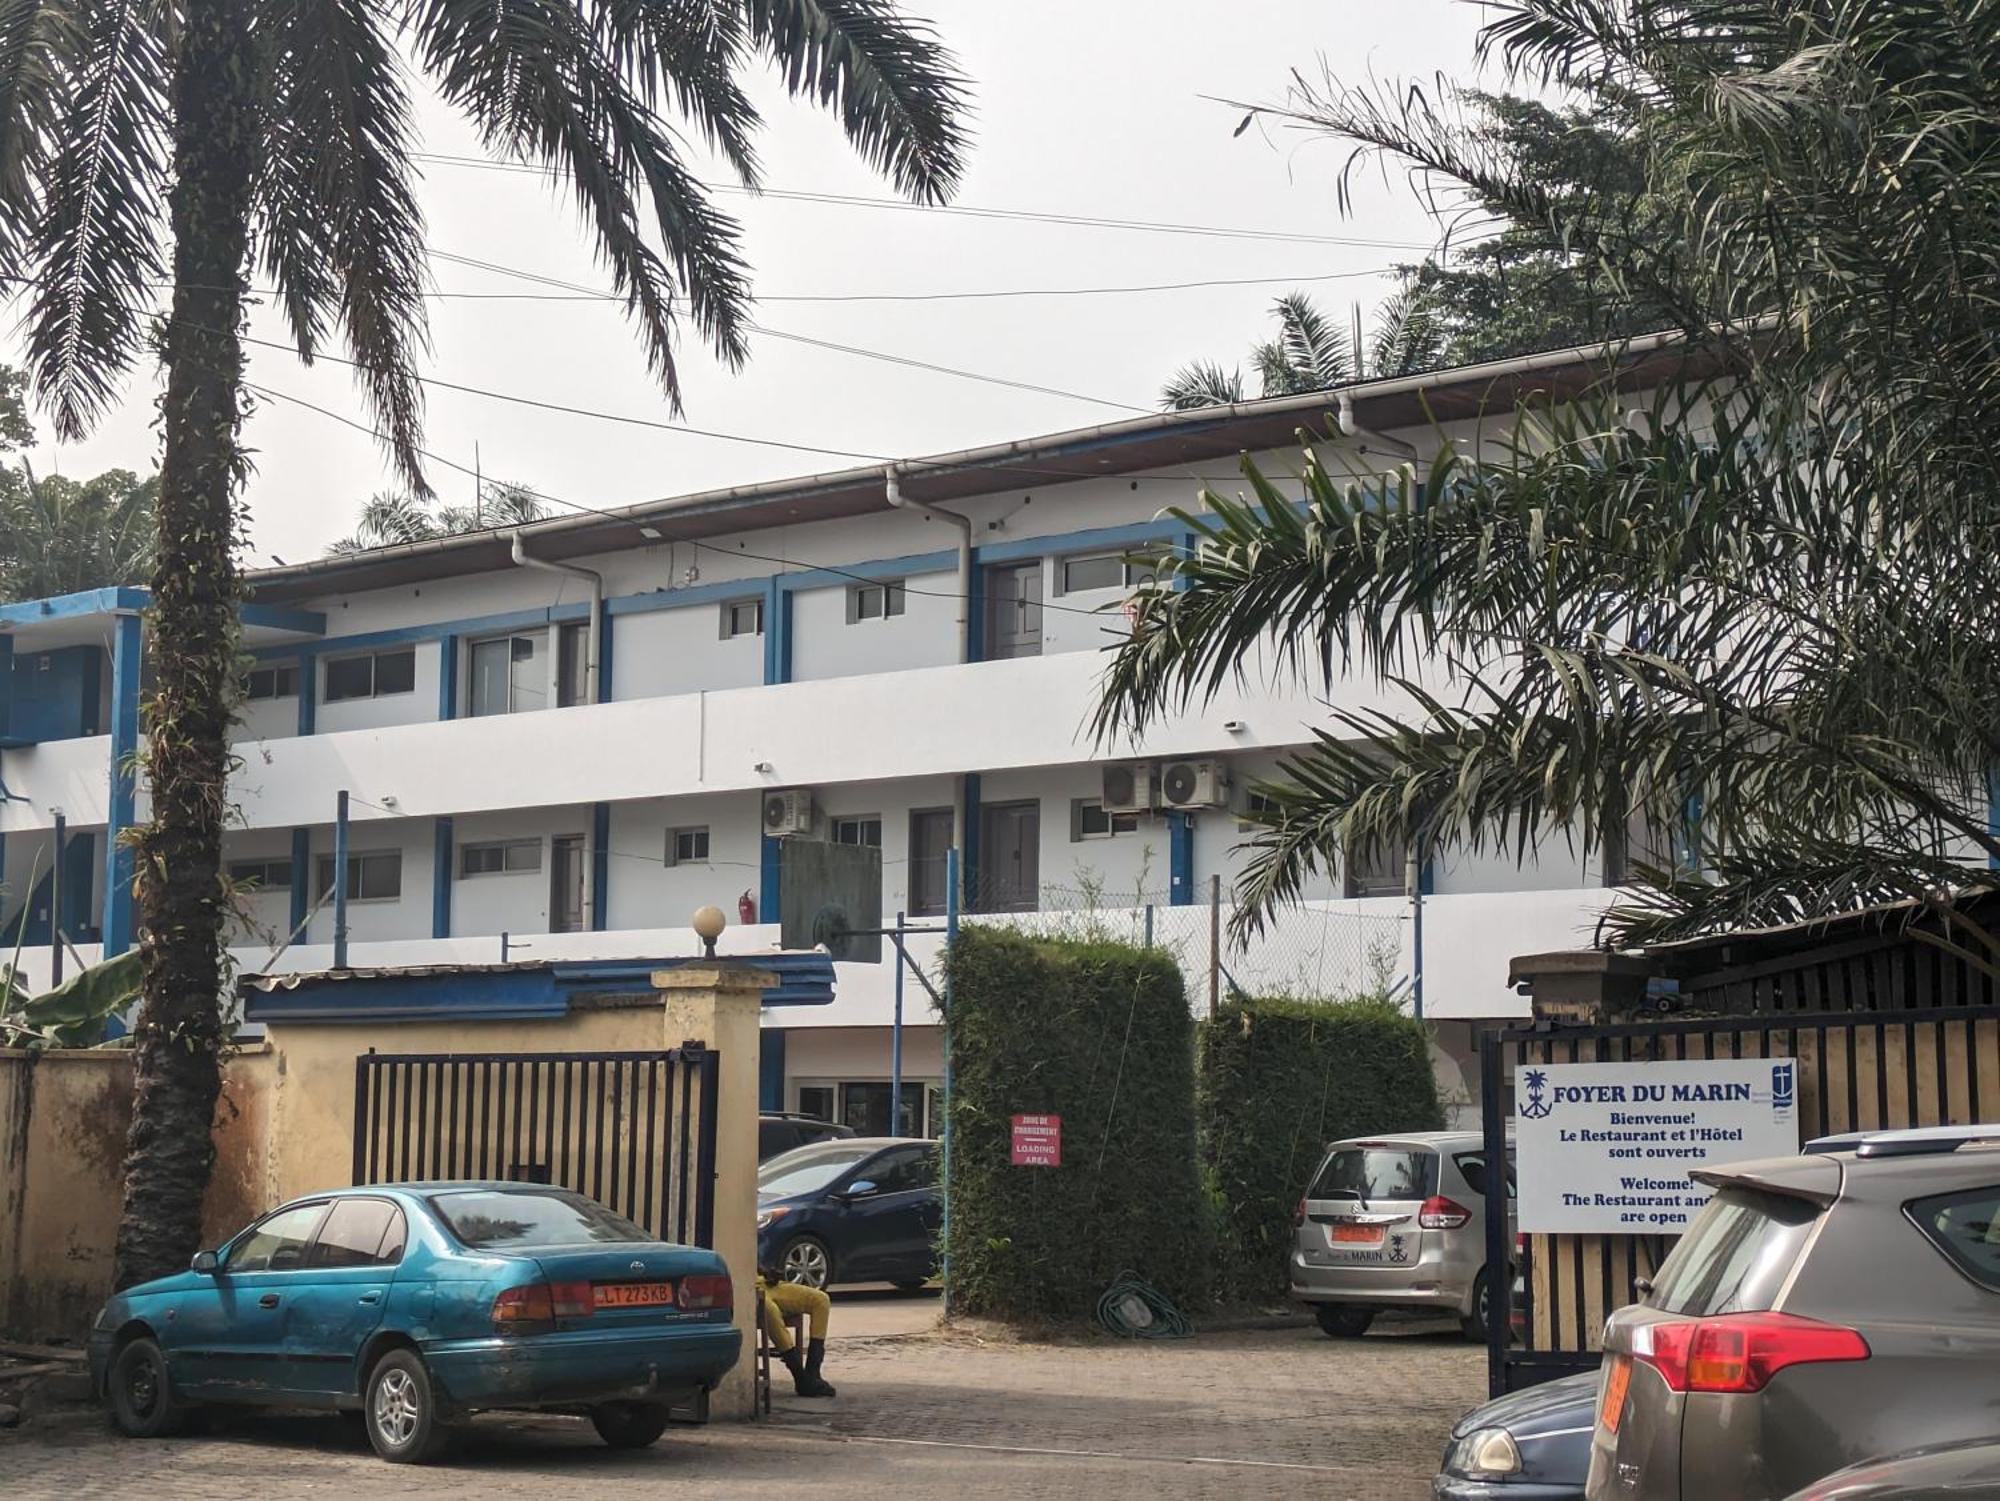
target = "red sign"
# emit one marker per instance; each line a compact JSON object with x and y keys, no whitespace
{"x":1037,"y":1141}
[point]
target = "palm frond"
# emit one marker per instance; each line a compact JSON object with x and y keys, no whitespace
{"x":1313,"y":350}
{"x":1202,"y":383}
{"x":41,"y":44}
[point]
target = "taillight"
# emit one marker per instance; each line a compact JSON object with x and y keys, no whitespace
{"x":707,"y":1290}
{"x":1741,"y":1352}
{"x":571,"y":1300}
{"x":1299,"y":1214}
{"x":534,"y":1308}
{"x":1439,"y":1213}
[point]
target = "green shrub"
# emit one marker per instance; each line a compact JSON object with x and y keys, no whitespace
{"x":1098,"y":1033}
{"x":1280,"y":1079}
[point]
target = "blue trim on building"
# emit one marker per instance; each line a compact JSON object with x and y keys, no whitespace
{"x":600,"y":866}
{"x":873,"y":570}
{"x":6,"y":690}
{"x":1427,"y":877}
{"x":1090,"y":539}
{"x":968,"y":857}
{"x":279,"y":618}
{"x":694,"y":594}
{"x":448,"y":655}
{"x":127,"y":644}
{"x":770,"y":877}
{"x":74,"y":606}
{"x":777,"y":631}
{"x":308,"y":691}
{"x":771,"y":1069}
{"x":301,"y":878}
{"x":606,"y":638}
{"x":1180,"y":859}
{"x":415,"y":635}
{"x":975,"y":610}
{"x":443,"y":861}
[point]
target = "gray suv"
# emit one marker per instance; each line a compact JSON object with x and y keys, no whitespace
{"x":1396,"y":1222}
{"x":1821,"y":1309}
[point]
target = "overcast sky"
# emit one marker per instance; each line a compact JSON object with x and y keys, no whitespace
{"x":1093,"y":108}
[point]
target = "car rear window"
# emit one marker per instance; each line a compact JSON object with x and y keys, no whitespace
{"x":1376,"y":1173}
{"x":1735,"y":1255}
{"x":504,"y":1219}
{"x":1965,"y":1226}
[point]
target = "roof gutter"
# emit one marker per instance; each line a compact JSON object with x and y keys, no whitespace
{"x":590,"y":576}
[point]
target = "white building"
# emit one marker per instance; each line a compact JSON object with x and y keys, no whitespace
{"x":512,"y":773}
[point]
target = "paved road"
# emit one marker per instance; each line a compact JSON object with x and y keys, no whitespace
{"x":1260,"y":1413}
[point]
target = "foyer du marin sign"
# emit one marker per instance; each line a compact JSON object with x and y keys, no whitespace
{"x":1606,"y":1148}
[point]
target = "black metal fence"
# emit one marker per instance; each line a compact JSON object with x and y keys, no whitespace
{"x":1857,"y":1071}
{"x":635,"y":1131}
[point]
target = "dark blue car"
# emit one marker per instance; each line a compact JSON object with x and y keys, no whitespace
{"x":863,"y":1209}
{"x":420,"y":1304}
{"x":1531,"y":1445}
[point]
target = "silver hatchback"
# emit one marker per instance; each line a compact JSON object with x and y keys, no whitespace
{"x":1396,"y":1222}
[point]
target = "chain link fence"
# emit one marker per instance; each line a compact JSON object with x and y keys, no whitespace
{"x":1316,"y":950}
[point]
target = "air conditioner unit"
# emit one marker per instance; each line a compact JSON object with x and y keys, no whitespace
{"x":1194,"y":784}
{"x":788,"y":812}
{"x":1128,"y":788}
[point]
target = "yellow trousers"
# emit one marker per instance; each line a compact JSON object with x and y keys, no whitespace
{"x":786,"y":1301}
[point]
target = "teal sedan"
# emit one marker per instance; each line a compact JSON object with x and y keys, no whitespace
{"x":418,"y":1304}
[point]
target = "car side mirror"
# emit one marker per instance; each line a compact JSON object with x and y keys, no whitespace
{"x":204,"y":1261}
{"x":861,"y":1189}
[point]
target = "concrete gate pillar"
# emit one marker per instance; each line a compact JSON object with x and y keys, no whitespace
{"x":719,"y":1003}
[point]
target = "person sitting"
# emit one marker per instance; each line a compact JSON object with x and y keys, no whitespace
{"x":784,"y":1301}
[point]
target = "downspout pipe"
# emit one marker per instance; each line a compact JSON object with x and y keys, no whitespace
{"x":592,"y":643}
{"x":1349,"y":427}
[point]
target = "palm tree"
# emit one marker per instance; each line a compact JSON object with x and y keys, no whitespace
{"x":1310,"y":353}
{"x":1745,"y":621}
{"x":199,"y":141}
{"x":59,"y":535}
{"x":392,"y":518}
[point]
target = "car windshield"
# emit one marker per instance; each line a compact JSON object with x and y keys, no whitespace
{"x":808,"y":1168}
{"x":1735,"y":1255}
{"x":505,"y":1219}
{"x":1376,"y":1173}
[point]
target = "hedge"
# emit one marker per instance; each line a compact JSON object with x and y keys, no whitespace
{"x":1099,"y":1034}
{"x":1279,"y":1079}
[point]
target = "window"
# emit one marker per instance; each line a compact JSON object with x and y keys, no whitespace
{"x":509,"y":676}
{"x":1376,"y":872}
{"x":372,"y":676}
{"x":1088,"y":820}
{"x":279,"y":1243}
{"x":930,"y":841}
{"x":265,"y":875}
{"x":1257,"y":806}
{"x":359,"y":1232}
{"x":742,"y":617}
{"x":809,"y":1168}
{"x":500,"y":857}
{"x":573,"y":664}
{"x":372,"y":876}
{"x":1966,"y":1228}
{"x":506,"y":1219}
{"x":1735,"y":1256}
{"x":865,"y":830}
{"x":281,"y":681}
{"x":1103,"y":570}
{"x":906,"y":1169}
{"x":1376,"y":1173}
{"x":874,"y":601}
{"x":816,"y":1100}
{"x":687,"y":846}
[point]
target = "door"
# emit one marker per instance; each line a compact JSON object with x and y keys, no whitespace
{"x":1014,"y":611}
{"x":1010,"y":857}
{"x":337,"y":1301}
{"x":887,"y":1233}
{"x":508,"y":676}
{"x":230,"y":1339}
{"x":566,"y":883}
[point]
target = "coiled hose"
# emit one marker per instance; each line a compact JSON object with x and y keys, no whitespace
{"x":1136,"y":1309}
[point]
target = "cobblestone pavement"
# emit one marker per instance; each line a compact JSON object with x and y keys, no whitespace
{"x":1275,"y":1412}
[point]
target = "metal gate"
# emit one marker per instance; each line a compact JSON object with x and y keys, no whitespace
{"x":1857,"y":1071}
{"x":635,"y":1131}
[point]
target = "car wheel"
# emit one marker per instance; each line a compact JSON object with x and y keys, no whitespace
{"x":1474,"y":1323}
{"x":907,"y":1286}
{"x":629,"y":1425}
{"x":1343,"y":1320}
{"x":401,"y":1410}
{"x":142,"y":1395}
{"x":806,"y":1262}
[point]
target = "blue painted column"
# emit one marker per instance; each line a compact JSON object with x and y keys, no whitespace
{"x":1180,"y":859}
{"x":604,"y":637}
{"x":443,"y":859}
{"x":308,"y":690}
{"x":777,"y":630}
{"x":6,"y":686}
{"x":448,"y":677}
{"x":302,"y":892}
{"x":600,"y":866}
{"x":127,"y":642}
{"x":771,"y":1069}
{"x":340,"y":880}
{"x":975,"y":613}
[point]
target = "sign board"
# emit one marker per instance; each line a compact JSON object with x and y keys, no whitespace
{"x":1037,"y":1141}
{"x":830,"y":896}
{"x":1606,"y":1148}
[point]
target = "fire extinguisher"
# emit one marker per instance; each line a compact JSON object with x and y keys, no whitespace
{"x":746,"y":909}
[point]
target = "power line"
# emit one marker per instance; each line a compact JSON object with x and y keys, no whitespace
{"x":972,"y":211}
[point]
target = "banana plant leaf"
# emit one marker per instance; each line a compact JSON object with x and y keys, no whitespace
{"x":74,"y":1014}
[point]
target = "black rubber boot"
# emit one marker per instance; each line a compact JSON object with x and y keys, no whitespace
{"x":812,"y":1384}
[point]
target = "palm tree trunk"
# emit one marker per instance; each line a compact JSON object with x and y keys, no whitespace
{"x":193,"y":643}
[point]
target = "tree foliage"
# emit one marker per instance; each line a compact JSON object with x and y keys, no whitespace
{"x":1310,"y":352}
{"x":1745,"y":612}
{"x":61,"y":536}
{"x":392,"y":518}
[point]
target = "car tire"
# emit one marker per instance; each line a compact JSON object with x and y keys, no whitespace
{"x":141,"y":1392}
{"x":1473,"y":1324}
{"x":1343,"y":1320}
{"x":907,"y":1286}
{"x":806,"y":1261}
{"x":401,"y":1410}
{"x":629,"y":1425}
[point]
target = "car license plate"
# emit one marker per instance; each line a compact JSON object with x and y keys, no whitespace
{"x":1616,"y":1380}
{"x":631,"y":1294}
{"x":1354,"y":1235}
